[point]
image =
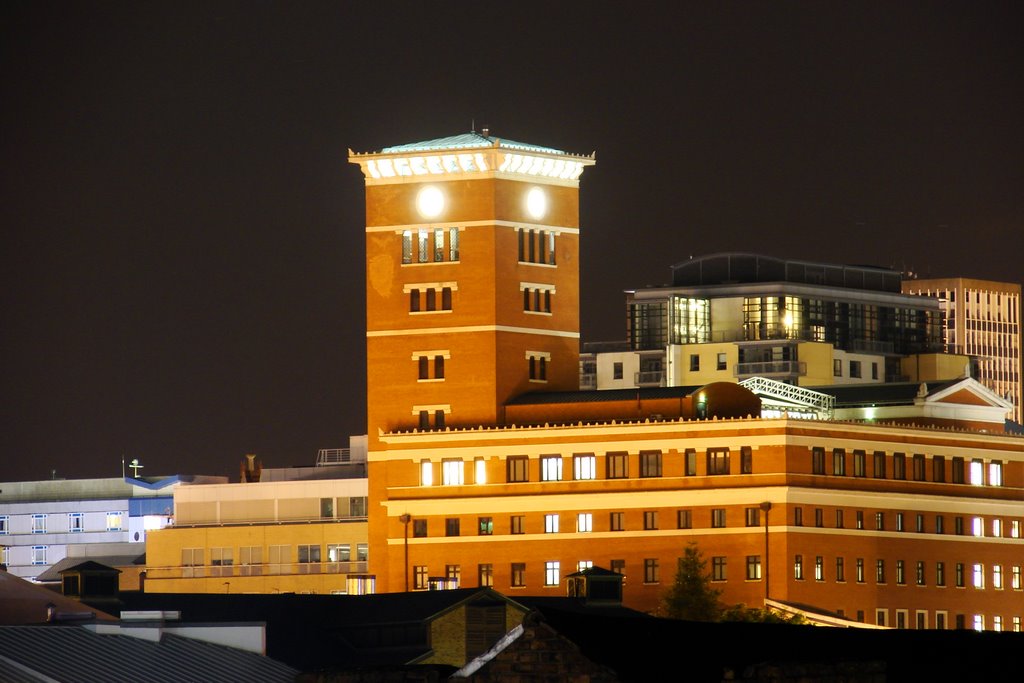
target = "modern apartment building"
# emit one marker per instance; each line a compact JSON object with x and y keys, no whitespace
{"x":285,"y":530}
{"x":39,"y":520}
{"x":981,"y":319}
{"x":732,"y":316}
{"x":488,"y":467}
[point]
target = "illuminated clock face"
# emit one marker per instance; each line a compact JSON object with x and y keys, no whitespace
{"x":536,"y":203}
{"x":430,"y":202}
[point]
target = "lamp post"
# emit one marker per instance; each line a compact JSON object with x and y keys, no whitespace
{"x":405,"y":519}
{"x":766,"y":507}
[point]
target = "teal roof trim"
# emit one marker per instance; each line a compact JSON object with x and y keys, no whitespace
{"x":468,"y":140}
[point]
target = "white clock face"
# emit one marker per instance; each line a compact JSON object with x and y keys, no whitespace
{"x":536,"y":203}
{"x":430,"y":202}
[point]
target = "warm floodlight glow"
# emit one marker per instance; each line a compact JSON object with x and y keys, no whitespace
{"x":536,"y":203}
{"x":430,"y":202}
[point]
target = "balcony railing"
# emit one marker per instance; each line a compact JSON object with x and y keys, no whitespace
{"x":649,"y":378}
{"x":263,"y":569}
{"x":778,"y":367}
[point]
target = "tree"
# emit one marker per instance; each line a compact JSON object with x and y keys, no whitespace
{"x":691,"y":596}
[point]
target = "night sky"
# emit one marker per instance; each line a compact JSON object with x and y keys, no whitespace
{"x":182,"y":261}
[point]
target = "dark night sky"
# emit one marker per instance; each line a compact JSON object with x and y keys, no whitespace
{"x":182,"y":262}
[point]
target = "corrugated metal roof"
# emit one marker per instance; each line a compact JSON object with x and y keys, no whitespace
{"x":468,"y":140}
{"x":73,"y":654}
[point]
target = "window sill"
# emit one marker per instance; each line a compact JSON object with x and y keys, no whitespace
{"x":547,"y":313}
{"x":538,"y":381}
{"x":429,"y":381}
{"x":541,"y":265}
{"x":429,"y":312}
{"x":430,"y":263}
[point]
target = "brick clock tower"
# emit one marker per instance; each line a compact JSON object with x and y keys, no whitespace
{"x":472,"y":279}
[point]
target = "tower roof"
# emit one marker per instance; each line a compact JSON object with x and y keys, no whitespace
{"x":468,"y":140}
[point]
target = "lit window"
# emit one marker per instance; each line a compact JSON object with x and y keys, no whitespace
{"x":584,"y":522}
{"x":39,"y":524}
{"x":361,"y":584}
{"x":1014,"y":528}
{"x":551,"y":524}
{"x":977,"y":473}
{"x":718,"y":518}
{"x":753,"y":567}
{"x":426,"y":473}
{"x":115,"y":521}
{"x":650,"y":519}
{"x":485,"y":526}
{"x":420,"y":578}
{"x":997,"y":623}
{"x":480,"y":471}
{"x":551,"y":468}
{"x":995,"y":473}
{"x":584,"y":564}
{"x":819,"y":568}
{"x":979,"y":622}
{"x":362,"y":552}
{"x":798,"y":567}
{"x":997,"y":528}
{"x":452,"y":472}
{"x":551,"y":573}
{"x":38,"y":554}
{"x":860,"y":570}
{"x":718,"y":461}
{"x":977,"y":526}
{"x":1015,"y":578}
{"x":753,"y":516}
{"x":979,"y":576}
{"x":718,"y":569}
{"x":518,"y":574}
{"x":485,"y":575}
{"x":997,"y":577}
{"x":584,"y":466}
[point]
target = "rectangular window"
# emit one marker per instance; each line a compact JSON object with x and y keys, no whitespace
{"x":995,"y":473}
{"x":899,"y":466}
{"x":874,"y":371}
{"x":485,"y":575}
{"x":860,"y":569}
{"x":977,"y":472}
{"x":837,"y":368}
{"x":650,"y":463}
{"x":880,"y":616}
{"x":979,"y":576}
{"x":451,"y":526}
{"x":615,"y":521}
{"x":880,"y":571}
{"x":746,"y":460}
{"x":839,"y":462}
{"x":691,"y":462}
{"x":76,"y":522}
{"x":940,"y":524}
{"x":860,"y":464}
{"x":39,"y":524}
{"x":718,"y":571}
{"x":516,"y":524}
{"x":616,"y":370}
{"x":339,"y":552}
{"x":453,"y":472}
{"x":721,"y":362}
{"x":191,"y":563}
{"x":652,"y":573}
{"x":362,"y":552}
{"x":753,"y":516}
{"x":426,"y":473}
{"x":997,"y":577}
{"x":718,"y":518}
{"x":958,"y":470}
{"x":940,"y":573}
{"x":819,"y":568}
{"x":551,"y":524}
{"x":718,"y":461}
{"x":551,"y":573}
{"x":584,"y":466}
{"x":518,"y":468}
{"x":407,"y":246}
{"x":438,"y":244}
{"x":879,"y":464}
{"x":617,"y":465}
{"x":250,"y":559}
{"x":684,"y":519}
{"x":453,"y":575}
{"x":551,"y":468}
{"x":753,"y":567}
{"x":860,"y":519}
{"x":650,"y":520}
{"x":479,"y":471}
{"x":958,"y":526}
{"x":938,"y":468}
{"x":420,"y":578}
{"x":221,"y":562}
{"x":919,"y":573}
{"x":900,"y":576}
{"x":38,"y":556}
{"x":840,"y":570}
{"x":309,"y":553}
{"x":618,"y":566}
{"x":918,"y":465}
{"x":899,"y":522}
{"x":880,"y":521}
{"x":817,"y":460}
{"x":855,"y":368}
{"x":453,"y":244}
{"x":518,"y":574}
{"x":1014,"y":528}
{"x":419,"y":528}
{"x":798,"y":567}
{"x":694,"y":362}
{"x":485,"y":526}
{"x":1015,"y":577}
{"x":977,"y":526}
{"x":422,"y":244}
{"x":5,"y":522}
{"x":839,"y":519}
{"x":584,"y":522}
{"x":919,"y":524}
{"x":798,"y":516}
{"x":414,"y":301}
{"x":819,"y":517}
{"x":958,"y":574}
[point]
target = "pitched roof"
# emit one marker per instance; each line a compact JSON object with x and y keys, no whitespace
{"x":26,"y":603}
{"x":111,"y":561}
{"x":468,"y":140}
{"x":75,"y":653}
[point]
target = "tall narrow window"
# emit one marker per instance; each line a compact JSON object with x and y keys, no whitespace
{"x":650,"y":463}
{"x":879,"y":461}
{"x":438,"y":244}
{"x":551,"y":468}
{"x":617,"y":465}
{"x":518,"y":468}
{"x":691,"y":462}
{"x":407,"y":246}
{"x":552,"y":573}
{"x":453,"y":244}
{"x":817,"y":460}
{"x":839,"y":462}
{"x":423,"y":246}
{"x":746,"y":460}
{"x":938,"y":468}
{"x":718,"y":461}
{"x":918,"y":465}
{"x":859,"y":464}
{"x":899,"y":466}
{"x":584,"y":466}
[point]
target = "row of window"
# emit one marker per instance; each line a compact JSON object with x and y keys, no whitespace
{"x":977,"y":472}
{"x":278,"y":559}
{"x":431,"y":245}
{"x":37,"y":555}
{"x":976,"y":525}
{"x":584,"y":465}
{"x":452,"y":576}
{"x":537,"y":246}
{"x":920,"y":576}
{"x":902,"y":620}
{"x":429,"y":299}
{"x":75,"y":521}
{"x":855,"y":369}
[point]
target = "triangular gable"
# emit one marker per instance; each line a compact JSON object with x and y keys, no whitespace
{"x":969,"y":391}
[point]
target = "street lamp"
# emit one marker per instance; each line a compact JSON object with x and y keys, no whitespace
{"x":405,"y":519}
{"x":766,"y":507}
